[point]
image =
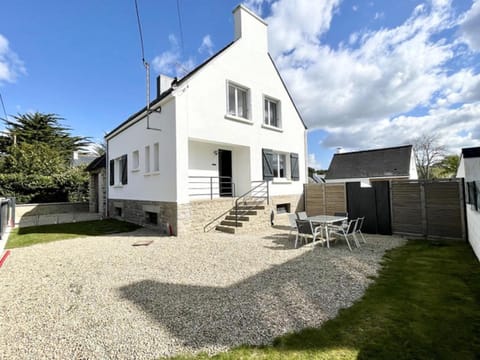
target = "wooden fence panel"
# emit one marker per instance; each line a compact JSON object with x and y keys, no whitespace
{"x":407,"y":208}
{"x":428,"y":209}
{"x":443,"y":210}
{"x":325,"y":199}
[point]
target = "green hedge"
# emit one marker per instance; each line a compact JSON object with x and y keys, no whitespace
{"x":71,"y":185}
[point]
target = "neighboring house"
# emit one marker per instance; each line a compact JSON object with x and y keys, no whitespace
{"x":395,"y":163}
{"x":97,"y":185}
{"x":81,"y":158}
{"x":469,"y":169}
{"x":227,"y":126}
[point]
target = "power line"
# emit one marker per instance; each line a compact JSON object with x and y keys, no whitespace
{"x":140,"y":32}
{"x":3,"y":106}
{"x":181,"y":27}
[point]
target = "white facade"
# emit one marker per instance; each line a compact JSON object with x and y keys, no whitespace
{"x":469,"y":169}
{"x":196,"y":127}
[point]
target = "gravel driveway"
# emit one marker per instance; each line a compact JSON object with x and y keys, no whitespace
{"x":101,"y":297}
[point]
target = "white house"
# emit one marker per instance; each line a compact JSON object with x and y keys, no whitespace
{"x":226,"y":127}
{"x":469,"y":169}
{"x":394,"y":163}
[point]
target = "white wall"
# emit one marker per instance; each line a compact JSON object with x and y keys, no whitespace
{"x":202,"y":109}
{"x":153,"y":186}
{"x":470,"y":169}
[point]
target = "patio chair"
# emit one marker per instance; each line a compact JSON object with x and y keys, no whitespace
{"x":293,"y":223}
{"x":359,"y":228}
{"x":306,"y":230}
{"x":302,"y":215}
{"x":346,"y":232}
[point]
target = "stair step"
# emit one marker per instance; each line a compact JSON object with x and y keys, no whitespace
{"x":243,"y":212}
{"x":231,"y":223}
{"x":251,"y":207}
{"x":225,"y":229}
{"x":240,"y":218}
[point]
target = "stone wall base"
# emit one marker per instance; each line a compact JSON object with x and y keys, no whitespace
{"x":158,"y":215}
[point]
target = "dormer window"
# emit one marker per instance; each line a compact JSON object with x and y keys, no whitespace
{"x":237,"y":101}
{"x":271,"y":112}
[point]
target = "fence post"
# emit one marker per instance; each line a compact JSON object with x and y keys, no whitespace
{"x":423,"y":207}
{"x":211,"y":187}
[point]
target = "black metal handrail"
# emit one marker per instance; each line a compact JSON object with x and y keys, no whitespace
{"x":255,"y":196}
{"x":216,"y":186}
{"x":258,"y":192}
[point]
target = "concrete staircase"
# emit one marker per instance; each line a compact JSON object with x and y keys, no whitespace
{"x":247,"y":211}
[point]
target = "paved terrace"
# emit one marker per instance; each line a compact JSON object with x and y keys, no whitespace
{"x":101,"y":297}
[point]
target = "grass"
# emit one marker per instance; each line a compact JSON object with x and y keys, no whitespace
{"x":27,"y":236}
{"x":425,"y":304}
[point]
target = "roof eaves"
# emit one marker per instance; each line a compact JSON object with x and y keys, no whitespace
{"x":286,"y":89}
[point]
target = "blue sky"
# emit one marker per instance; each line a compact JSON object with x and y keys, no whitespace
{"x":364,"y":74}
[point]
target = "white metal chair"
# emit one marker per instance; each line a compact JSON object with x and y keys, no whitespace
{"x":358,"y":230}
{"x":293,"y":223}
{"x":306,"y":230}
{"x":345,"y":232}
{"x":302,"y":215}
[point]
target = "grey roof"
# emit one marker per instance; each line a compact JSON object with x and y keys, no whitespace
{"x":387,"y":162}
{"x":98,"y":163}
{"x":472,"y":152}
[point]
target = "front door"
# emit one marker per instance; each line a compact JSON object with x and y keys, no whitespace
{"x":225,"y":172}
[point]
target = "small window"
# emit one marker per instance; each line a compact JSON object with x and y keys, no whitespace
{"x":237,"y":100}
{"x":147,"y":159}
{"x":283,"y":208}
{"x":135,"y":160}
{"x":271,"y":112}
{"x":151,"y":218}
{"x":156,"y":157}
{"x":118,"y":211}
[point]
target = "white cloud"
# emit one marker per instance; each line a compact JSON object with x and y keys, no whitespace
{"x":170,"y":62}
{"x":10,"y":64}
{"x":313,"y":162}
{"x":470,"y":26}
{"x":256,"y":5}
{"x":356,"y":92}
{"x":206,"y":46}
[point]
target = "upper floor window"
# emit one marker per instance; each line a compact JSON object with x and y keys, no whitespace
{"x":271,"y":112}
{"x":136,"y":160}
{"x":237,"y":103}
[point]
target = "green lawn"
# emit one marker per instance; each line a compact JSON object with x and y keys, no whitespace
{"x":425,"y":304}
{"x":32,"y":235}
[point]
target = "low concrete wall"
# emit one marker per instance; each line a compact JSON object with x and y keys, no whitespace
{"x":51,"y":219}
{"x":49,"y":209}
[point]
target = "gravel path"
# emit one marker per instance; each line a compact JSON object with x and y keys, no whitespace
{"x":100,"y":297}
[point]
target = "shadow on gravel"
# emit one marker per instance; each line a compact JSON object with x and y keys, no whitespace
{"x":281,"y":299}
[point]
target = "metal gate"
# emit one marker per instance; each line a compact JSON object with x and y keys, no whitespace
{"x":373,"y":203}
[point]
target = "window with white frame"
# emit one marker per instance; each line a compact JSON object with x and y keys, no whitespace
{"x":279,"y":165}
{"x":237,"y":100}
{"x":147,"y":159}
{"x":118,"y":171}
{"x":156,"y":157}
{"x":135,"y":160}
{"x":271,"y":112}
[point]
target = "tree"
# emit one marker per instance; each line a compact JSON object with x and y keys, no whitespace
{"x":428,"y":152}
{"x":33,"y":159}
{"x":35,"y":128}
{"x":448,"y":166}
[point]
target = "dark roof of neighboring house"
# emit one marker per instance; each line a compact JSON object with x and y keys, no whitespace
{"x":387,"y":162}
{"x":98,"y":163}
{"x":176,"y":82}
{"x":472,"y":152}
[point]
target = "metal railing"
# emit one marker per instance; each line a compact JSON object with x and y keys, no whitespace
{"x":7,"y":214}
{"x":248,"y":201}
{"x":252,"y":198}
{"x":211,"y":186}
